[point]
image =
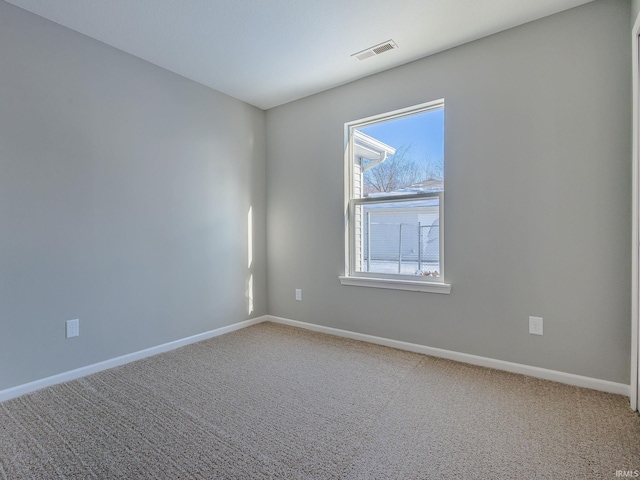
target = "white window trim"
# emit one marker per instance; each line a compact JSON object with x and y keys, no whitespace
{"x":362,"y":279}
{"x":393,"y":284}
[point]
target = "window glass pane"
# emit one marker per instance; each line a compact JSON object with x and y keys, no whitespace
{"x":399,"y":237}
{"x":395,"y":156}
{"x":412,"y":161}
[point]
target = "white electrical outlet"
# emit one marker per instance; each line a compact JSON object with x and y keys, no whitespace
{"x":299,"y":294}
{"x":72,"y":328}
{"x":535,"y":325}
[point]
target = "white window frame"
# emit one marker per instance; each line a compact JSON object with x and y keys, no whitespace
{"x":380,"y":280}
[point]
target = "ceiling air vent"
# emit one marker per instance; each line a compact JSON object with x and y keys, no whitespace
{"x":375,"y":50}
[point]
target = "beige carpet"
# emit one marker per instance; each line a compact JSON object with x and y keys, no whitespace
{"x":278,"y":402}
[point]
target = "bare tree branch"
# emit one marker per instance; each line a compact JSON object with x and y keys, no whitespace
{"x":395,"y":173}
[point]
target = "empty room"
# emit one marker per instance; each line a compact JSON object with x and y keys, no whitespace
{"x":319,"y":240}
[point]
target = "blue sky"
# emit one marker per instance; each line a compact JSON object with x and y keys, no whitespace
{"x":423,"y":131}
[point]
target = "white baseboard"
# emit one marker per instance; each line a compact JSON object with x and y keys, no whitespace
{"x":19,"y":390}
{"x":554,"y":375}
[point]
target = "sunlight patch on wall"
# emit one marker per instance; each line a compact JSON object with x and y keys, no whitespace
{"x":250,"y":237}
{"x":249,"y":295}
{"x":249,"y":289}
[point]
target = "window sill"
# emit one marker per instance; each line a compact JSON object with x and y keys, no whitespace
{"x":412,"y":286}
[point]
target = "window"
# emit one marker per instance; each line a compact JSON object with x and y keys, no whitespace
{"x":395,"y":199}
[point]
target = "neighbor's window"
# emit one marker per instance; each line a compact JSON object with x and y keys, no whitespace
{"x":395,"y":197}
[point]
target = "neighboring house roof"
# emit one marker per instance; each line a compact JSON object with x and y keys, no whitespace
{"x":371,"y":149}
{"x":429,"y":185}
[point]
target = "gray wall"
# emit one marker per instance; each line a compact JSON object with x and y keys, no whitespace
{"x":538,"y":196}
{"x":635,"y":10}
{"x":124,"y":192}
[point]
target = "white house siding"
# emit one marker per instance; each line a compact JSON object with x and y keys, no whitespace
{"x":357,"y":193}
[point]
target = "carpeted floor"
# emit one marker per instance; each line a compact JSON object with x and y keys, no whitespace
{"x":271,"y":401}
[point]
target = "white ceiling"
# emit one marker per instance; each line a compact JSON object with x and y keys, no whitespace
{"x":270,"y":52}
